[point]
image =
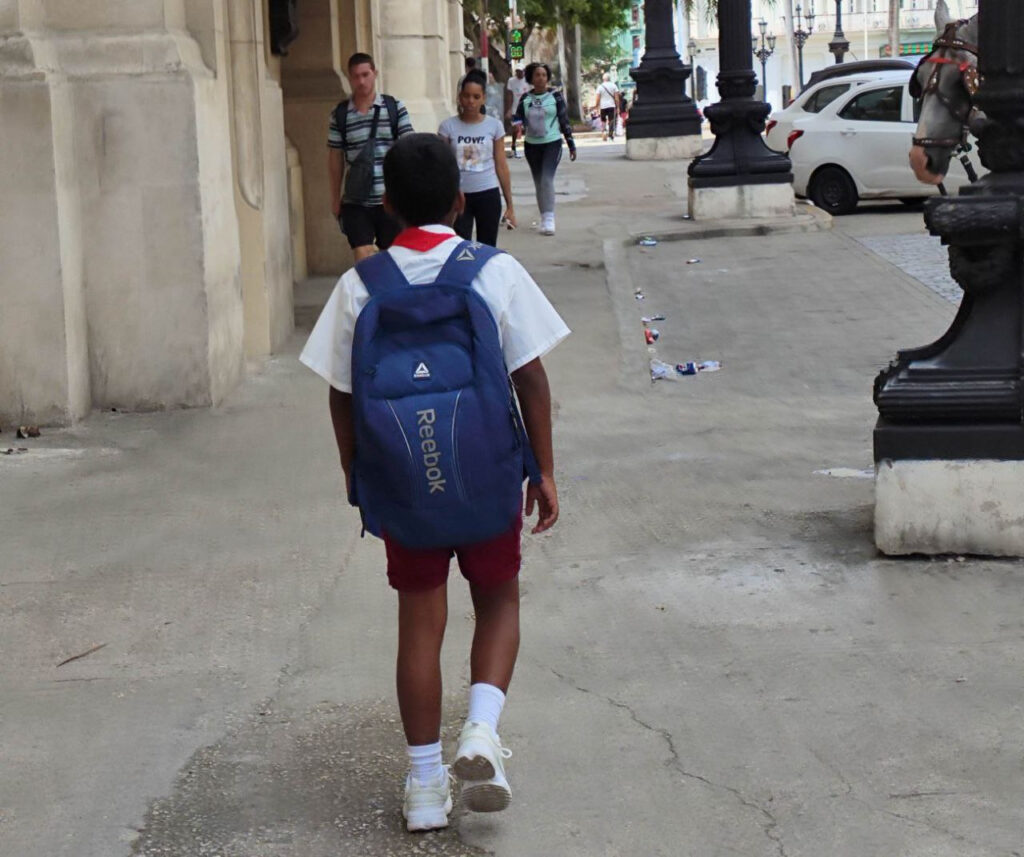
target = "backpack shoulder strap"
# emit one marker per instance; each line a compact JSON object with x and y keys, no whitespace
{"x":465,"y":263}
{"x":392,"y":107}
{"x":341,"y":120}
{"x":380,"y":273}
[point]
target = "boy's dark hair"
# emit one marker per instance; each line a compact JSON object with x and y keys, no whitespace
{"x":474,"y":75}
{"x":359,"y":59}
{"x":532,"y":67}
{"x":421,"y":179}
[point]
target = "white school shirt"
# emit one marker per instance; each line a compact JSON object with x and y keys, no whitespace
{"x":528,"y":326}
{"x":607,"y":92}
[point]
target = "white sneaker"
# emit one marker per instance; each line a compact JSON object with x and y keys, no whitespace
{"x":427,"y":805}
{"x":547,"y":223}
{"x":480,"y":765}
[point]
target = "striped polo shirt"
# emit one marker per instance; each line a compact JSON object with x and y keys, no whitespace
{"x":358,"y":132}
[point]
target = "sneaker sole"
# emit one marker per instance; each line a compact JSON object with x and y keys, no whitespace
{"x":469,"y":768}
{"x":487,"y":797}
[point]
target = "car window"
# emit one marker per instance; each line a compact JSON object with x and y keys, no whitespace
{"x":824,"y":97}
{"x":878,"y":105}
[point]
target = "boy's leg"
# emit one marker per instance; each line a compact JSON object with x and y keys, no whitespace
{"x":496,"y":636}
{"x":421,"y":623}
{"x":492,"y":569}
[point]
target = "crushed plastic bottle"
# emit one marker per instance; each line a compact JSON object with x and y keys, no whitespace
{"x":648,"y":241}
{"x":693,"y":261}
{"x":639,"y":295}
{"x":651,"y":335}
{"x":662,"y":371}
{"x":650,"y":319}
{"x":692,"y":367}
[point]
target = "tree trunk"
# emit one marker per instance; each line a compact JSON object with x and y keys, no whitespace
{"x":572,"y":76}
{"x":562,"y":62}
{"x":894,"y":28}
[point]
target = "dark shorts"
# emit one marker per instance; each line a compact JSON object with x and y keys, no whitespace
{"x":485,"y":564}
{"x":368,"y":224}
{"x":607,"y":114}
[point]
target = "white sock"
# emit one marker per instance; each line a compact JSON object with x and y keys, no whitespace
{"x":485,"y":704}
{"x":426,"y":762}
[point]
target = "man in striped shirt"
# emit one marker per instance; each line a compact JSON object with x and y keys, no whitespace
{"x":359,"y":210}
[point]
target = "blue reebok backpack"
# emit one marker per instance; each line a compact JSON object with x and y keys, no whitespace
{"x":441,"y":452}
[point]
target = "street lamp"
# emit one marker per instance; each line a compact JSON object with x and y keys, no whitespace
{"x":800,"y":36}
{"x":839,"y":44}
{"x":762,"y":52}
{"x":691,"y":46}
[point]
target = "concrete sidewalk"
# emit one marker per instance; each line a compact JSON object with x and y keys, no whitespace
{"x":714,"y":661}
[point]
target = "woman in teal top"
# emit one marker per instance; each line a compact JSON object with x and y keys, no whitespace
{"x":544,"y":117}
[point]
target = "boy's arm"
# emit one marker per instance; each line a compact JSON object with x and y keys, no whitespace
{"x":344,"y":434}
{"x":531,"y":382}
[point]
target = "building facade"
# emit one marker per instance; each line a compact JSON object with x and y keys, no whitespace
{"x":865,"y":23}
{"x":163,"y":184}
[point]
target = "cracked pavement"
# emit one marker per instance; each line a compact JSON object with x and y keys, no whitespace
{"x":715,"y":662}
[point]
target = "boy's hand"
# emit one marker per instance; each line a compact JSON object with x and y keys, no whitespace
{"x":545,"y":495}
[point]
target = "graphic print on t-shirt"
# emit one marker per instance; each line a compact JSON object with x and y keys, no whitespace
{"x":470,"y":153}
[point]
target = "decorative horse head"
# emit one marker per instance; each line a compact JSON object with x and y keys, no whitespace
{"x":946,"y":81}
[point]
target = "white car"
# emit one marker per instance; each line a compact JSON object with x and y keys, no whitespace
{"x":857,"y":148}
{"x":814,"y":99}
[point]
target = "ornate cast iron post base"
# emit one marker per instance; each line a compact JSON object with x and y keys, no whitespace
{"x":663,"y":121}
{"x":949,"y":443}
{"x":740,"y":176}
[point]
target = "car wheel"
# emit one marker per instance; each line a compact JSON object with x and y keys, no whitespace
{"x":833,"y":190}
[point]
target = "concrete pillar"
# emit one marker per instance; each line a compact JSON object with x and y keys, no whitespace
{"x":414,"y":54}
{"x":313,"y":84}
{"x":135,"y":139}
{"x":44,"y":363}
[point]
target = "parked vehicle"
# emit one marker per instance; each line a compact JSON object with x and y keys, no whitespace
{"x":831,"y":72}
{"x":857,"y":147}
{"x":814,"y":99}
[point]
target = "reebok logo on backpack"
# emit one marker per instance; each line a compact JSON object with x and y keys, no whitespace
{"x":441,"y":452}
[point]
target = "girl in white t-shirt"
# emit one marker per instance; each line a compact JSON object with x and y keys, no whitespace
{"x":478,"y":142}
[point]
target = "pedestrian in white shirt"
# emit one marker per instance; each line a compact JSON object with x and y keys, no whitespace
{"x":607,"y":102}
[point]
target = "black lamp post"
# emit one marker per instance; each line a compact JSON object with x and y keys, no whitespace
{"x":839,"y":44}
{"x":691,"y":46}
{"x":662,"y":108}
{"x":800,"y":36}
{"x":962,"y":398}
{"x":762,"y":52}
{"x":739,"y":155}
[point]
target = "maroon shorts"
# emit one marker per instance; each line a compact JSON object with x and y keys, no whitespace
{"x":483,"y":564}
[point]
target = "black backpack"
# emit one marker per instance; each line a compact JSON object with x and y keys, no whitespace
{"x":341,"y":115}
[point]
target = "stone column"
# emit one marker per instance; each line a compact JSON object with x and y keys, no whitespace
{"x":122,"y":167}
{"x":415,"y":60}
{"x":949,"y":442}
{"x":740,"y":176}
{"x":664,"y":122}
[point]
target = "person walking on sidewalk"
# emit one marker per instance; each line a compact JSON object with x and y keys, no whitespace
{"x":478,"y":142}
{"x":515,"y":89}
{"x":361,"y":130}
{"x":422,"y":189}
{"x":543,"y":114}
{"x":607,"y":102}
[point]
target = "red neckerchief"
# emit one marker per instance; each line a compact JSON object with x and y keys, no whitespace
{"x":420,"y":240}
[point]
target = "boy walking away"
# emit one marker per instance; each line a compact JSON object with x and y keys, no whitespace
{"x":362,"y":129}
{"x":433,"y":451}
{"x":607,"y":101}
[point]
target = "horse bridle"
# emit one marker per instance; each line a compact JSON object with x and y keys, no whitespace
{"x":948,"y":41}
